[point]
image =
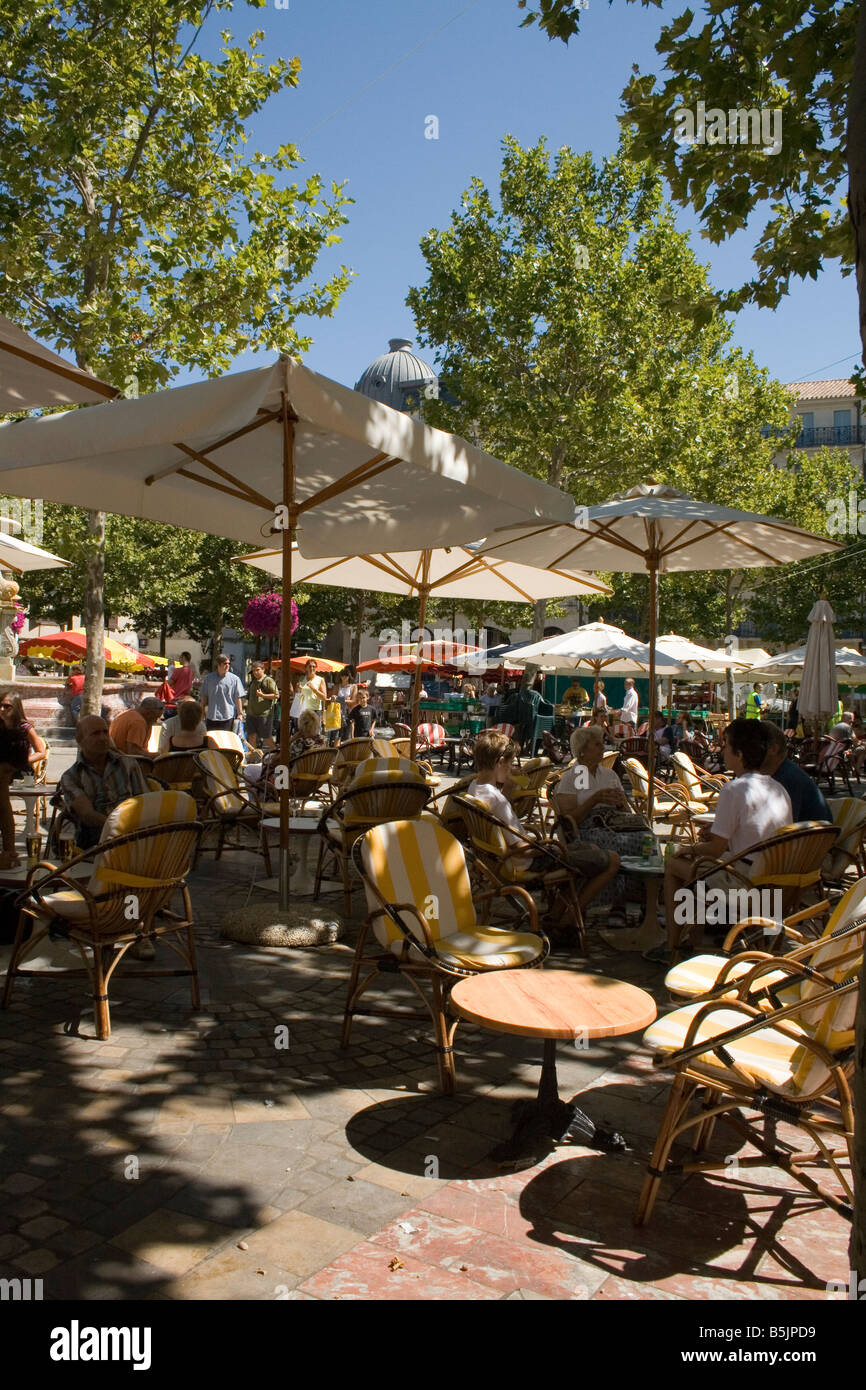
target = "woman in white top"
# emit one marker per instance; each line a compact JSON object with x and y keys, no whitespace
{"x":586,"y":786}
{"x":313,"y":692}
{"x":599,"y":698}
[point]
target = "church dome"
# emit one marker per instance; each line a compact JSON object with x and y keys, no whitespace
{"x":398,"y":378}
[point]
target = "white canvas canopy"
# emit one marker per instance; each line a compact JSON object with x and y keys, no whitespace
{"x":819,"y":691}
{"x":789,"y":665}
{"x":599,"y":647}
{"x":697,"y":658}
{"x":363,"y":478}
{"x":454,"y":572}
{"x":22,"y":557}
{"x":275,"y":451}
{"x":32,"y":375}
{"x":660,"y":530}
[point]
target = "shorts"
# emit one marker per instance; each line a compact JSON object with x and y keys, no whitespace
{"x":587,"y":860}
{"x":260,"y":724}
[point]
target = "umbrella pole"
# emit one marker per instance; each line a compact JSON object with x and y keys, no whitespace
{"x":654,"y":621}
{"x":423,"y":591}
{"x":286,"y":650}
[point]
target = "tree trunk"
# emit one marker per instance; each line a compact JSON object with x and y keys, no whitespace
{"x":94,"y":622}
{"x":358,"y":627}
{"x":163,"y":632}
{"x":857,"y":212}
{"x":729,"y":622}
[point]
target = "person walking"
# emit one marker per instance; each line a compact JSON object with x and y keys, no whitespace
{"x":313,"y":692}
{"x":181,"y":678}
{"x":754,"y":702}
{"x":262,"y":695}
{"x":222,"y":694}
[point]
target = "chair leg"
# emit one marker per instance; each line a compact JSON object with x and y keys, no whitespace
{"x":444,"y":1049}
{"x":667,"y":1131}
{"x":354,"y":976}
{"x":101,"y":1015}
{"x":266,"y":850}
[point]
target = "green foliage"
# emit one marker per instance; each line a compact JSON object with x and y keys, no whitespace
{"x":794,"y":55}
{"x":578,"y":340}
{"x":136,"y":228}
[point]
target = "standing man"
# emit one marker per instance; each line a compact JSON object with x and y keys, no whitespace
{"x":628,"y":714}
{"x":754,"y":702}
{"x":262,"y":695}
{"x":181,"y":678}
{"x":222,"y":695}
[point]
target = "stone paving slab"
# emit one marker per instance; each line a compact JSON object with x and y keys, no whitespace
{"x":191,"y":1157}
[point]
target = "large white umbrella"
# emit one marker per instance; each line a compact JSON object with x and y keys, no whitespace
{"x":453,"y":572}
{"x":32,"y":375}
{"x":277,"y":451}
{"x":657,"y":529}
{"x":697,"y":658}
{"x":847,"y":662}
{"x":819,"y":691}
{"x":600,"y":648}
{"x":22,"y":557}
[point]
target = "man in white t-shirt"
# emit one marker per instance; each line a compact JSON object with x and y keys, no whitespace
{"x":750,"y":808}
{"x":628,"y":713}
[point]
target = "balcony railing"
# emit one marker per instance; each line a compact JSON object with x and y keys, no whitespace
{"x":834,"y":436}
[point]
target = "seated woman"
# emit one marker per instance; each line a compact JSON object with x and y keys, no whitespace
{"x":191,"y":736}
{"x":309,"y":734}
{"x":494,"y":754}
{"x":590,"y":795}
{"x":684,"y":729}
{"x":20,"y":749}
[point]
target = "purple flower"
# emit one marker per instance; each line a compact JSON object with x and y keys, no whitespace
{"x":263,"y":614}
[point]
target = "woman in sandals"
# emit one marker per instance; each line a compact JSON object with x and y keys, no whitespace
{"x":20,"y":748}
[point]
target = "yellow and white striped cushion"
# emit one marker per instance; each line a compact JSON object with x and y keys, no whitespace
{"x":485,"y":948}
{"x":417,"y":861}
{"x":219,"y":774}
{"x":376,"y":770}
{"x":699,"y":974}
{"x":849,"y":813}
{"x":136,"y":813}
{"x":771,"y":1059}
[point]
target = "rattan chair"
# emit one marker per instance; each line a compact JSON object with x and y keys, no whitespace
{"x":698,"y":786}
{"x":790,"y":861}
{"x":502,"y":861}
{"x":422,"y":923}
{"x":790,"y":1064}
{"x":230,"y":806}
{"x":528,"y":794}
{"x":849,"y":851}
{"x":348,"y":755}
{"x":757,"y":939}
{"x":670,"y":802}
{"x":309,"y":777}
{"x":141,"y":861}
{"x":382,"y":794}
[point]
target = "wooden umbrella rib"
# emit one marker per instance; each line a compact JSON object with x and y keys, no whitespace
{"x":723,"y":528}
{"x":378,"y":464}
{"x":217,"y":487}
{"x":263,"y":417}
{"x":258,"y":499}
{"x":74,"y":374}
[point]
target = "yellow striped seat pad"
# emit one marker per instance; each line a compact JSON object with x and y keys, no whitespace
{"x":373,"y":771}
{"x":770,"y":1058}
{"x":698,"y":975}
{"x":485,"y":948}
{"x":136,"y":813}
{"x":219,"y":774}
{"x":849,"y":814}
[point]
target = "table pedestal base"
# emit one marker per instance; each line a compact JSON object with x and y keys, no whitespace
{"x":547,"y":1117}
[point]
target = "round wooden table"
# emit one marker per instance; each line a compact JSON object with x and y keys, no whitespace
{"x":553,"y":1004}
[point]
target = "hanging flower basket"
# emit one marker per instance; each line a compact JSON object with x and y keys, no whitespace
{"x":263,"y":615}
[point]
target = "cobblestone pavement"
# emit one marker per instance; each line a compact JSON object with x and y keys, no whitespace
{"x":197,"y":1157}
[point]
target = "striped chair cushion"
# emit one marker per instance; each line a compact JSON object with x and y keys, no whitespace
{"x":433,"y":734}
{"x":377,"y":770}
{"x":419,"y":862}
{"x":137,"y":813}
{"x":698,"y":976}
{"x":770,"y":1058}
{"x":219,"y":773}
{"x":849,"y":813}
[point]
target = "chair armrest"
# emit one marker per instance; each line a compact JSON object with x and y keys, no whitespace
{"x":513,"y":891}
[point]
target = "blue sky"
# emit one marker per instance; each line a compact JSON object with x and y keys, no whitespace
{"x":483,"y":77}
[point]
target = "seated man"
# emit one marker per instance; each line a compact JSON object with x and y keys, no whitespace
{"x":98,"y":780}
{"x":130,"y":731}
{"x":494,"y":754}
{"x":750,"y":808}
{"x":807,"y":799}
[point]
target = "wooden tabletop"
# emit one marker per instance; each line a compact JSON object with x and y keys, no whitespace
{"x":553,"y":1004}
